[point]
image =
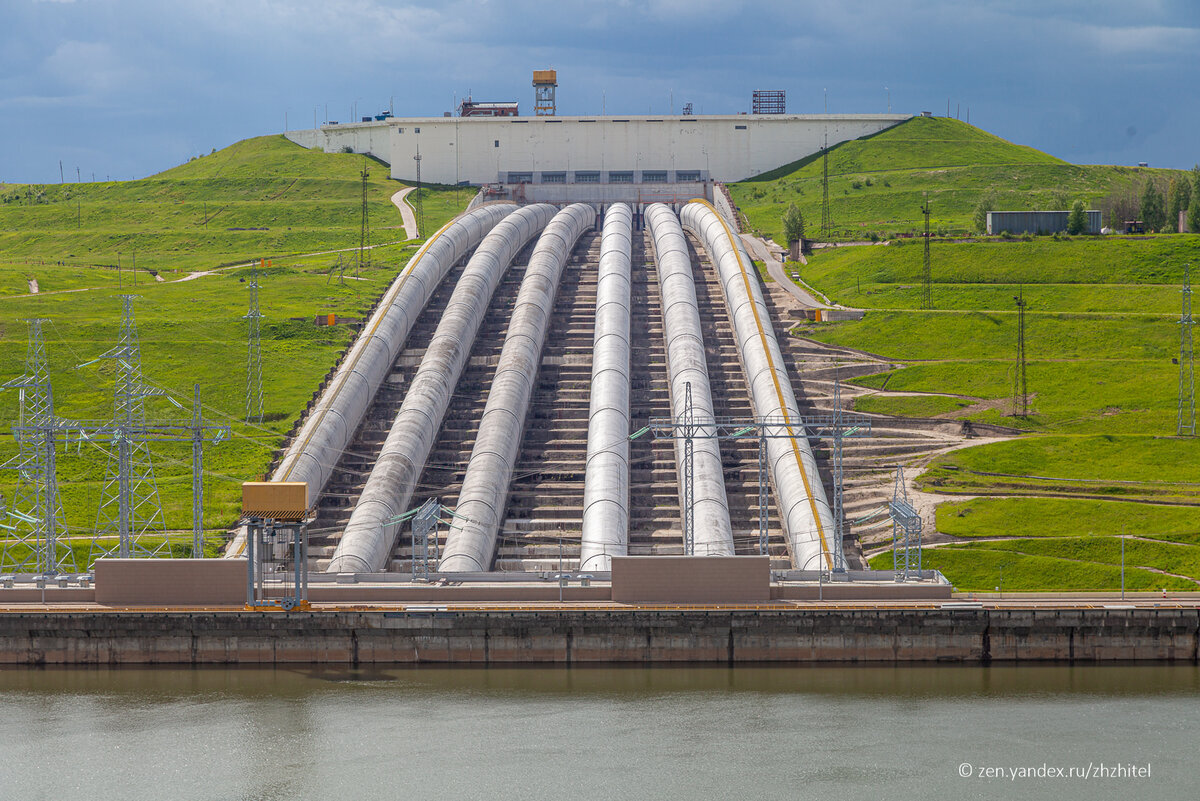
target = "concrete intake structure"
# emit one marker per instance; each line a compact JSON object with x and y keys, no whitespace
{"x":687,"y":364}
{"x":311,"y":456}
{"x":471,"y":542}
{"x":606,"y":481}
{"x":368,"y":540}
{"x":807,"y":519}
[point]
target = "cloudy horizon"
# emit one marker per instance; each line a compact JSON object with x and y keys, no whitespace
{"x":127,"y":88}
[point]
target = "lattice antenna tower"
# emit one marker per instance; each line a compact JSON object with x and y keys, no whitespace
{"x":34,"y":526}
{"x":364,"y":238}
{"x":826,"y":219}
{"x":1186,"y":425}
{"x":254,"y":386}
{"x":926,"y":272}
{"x":1020,"y":400}
{"x":130,"y":520}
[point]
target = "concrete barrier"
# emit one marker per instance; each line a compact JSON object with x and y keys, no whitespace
{"x":690,"y":579}
{"x":170,"y":582}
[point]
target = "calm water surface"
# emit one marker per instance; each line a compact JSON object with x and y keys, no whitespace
{"x":599,"y":733}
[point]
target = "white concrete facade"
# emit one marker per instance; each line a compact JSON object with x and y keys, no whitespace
{"x":481,"y":150}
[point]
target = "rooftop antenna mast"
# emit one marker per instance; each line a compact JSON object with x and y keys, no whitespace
{"x":1186,"y":425}
{"x":254,"y":388}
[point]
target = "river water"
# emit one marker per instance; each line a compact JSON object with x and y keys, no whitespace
{"x":601,"y":733}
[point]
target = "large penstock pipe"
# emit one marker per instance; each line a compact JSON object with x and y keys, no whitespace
{"x":368,"y":540}
{"x":312,"y":455}
{"x":471,"y":542}
{"x":606,"y":480}
{"x":807,"y":519}
{"x":686,"y":364}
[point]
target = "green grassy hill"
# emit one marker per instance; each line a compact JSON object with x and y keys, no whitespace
{"x":878,"y":184}
{"x":261,"y":197}
{"x":296,"y":201}
{"x":1102,"y":328}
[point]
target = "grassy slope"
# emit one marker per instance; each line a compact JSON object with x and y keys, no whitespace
{"x":263,"y":197}
{"x":1101,"y":332}
{"x":878,"y":184}
{"x":192,"y":331}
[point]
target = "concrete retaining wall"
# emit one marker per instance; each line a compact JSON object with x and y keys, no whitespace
{"x":370,"y":138}
{"x":580,"y":637}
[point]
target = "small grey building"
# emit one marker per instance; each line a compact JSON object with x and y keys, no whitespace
{"x":1037,"y":222}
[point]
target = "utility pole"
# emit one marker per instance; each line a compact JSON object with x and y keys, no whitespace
{"x":61,"y":178}
{"x":420,"y":204}
{"x":826,"y":220}
{"x":364,"y":236}
{"x":1020,"y":400}
{"x":926,"y":271}
{"x":1186,"y":423}
{"x":254,"y":388}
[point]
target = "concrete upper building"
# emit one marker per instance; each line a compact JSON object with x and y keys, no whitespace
{"x":601,"y":149}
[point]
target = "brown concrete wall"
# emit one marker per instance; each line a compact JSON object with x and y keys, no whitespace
{"x":880,"y":591}
{"x":690,"y":579}
{"x":425,"y":593}
{"x":580,"y":637}
{"x":166,"y":582}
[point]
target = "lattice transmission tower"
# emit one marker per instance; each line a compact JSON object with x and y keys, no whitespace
{"x":130,"y":520}
{"x":34,"y":527}
{"x":1186,"y":424}
{"x":254,"y":387}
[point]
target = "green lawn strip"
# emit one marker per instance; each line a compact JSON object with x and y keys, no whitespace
{"x":976,"y":335}
{"x":1096,"y":299}
{"x":1057,"y":517}
{"x":1179,"y":559}
{"x":1131,"y":466}
{"x":81,"y":548}
{"x":908,"y":406}
{"x":1039,"y":266}
{"x":975,"y":568}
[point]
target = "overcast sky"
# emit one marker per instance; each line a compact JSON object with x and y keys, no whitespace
{"x":125,"y":88}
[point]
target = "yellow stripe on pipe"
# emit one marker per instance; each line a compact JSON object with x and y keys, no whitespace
{"x":774,"y":378}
